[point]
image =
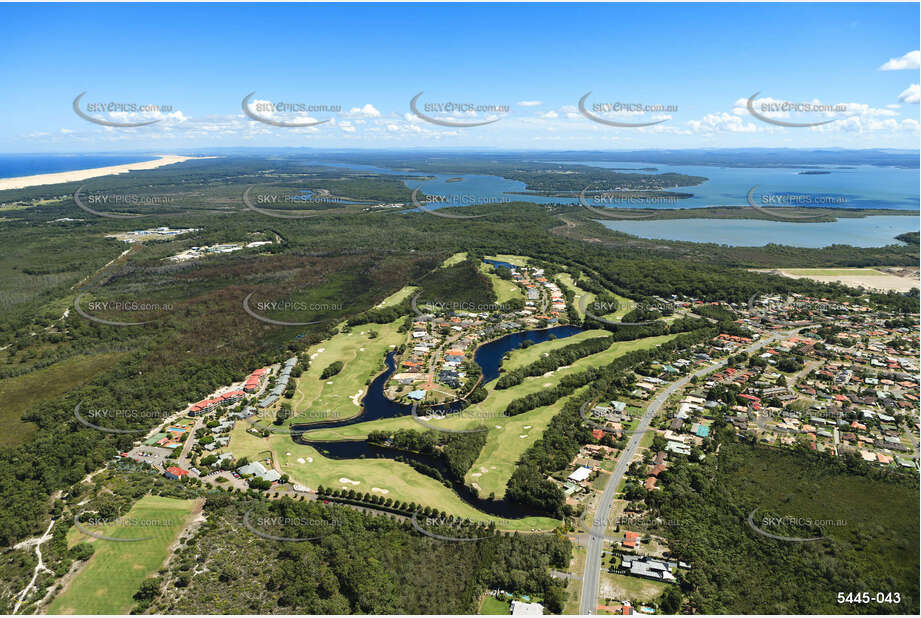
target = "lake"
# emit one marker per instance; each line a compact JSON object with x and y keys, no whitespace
{"x":863,"y":232}
{"x":853,"y":187}
{"x":862,"y":186}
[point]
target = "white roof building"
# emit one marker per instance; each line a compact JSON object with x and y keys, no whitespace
{"x":580,"y":474}
{"x":520,"y":608}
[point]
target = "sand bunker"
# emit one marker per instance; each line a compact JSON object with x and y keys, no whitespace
{"x":356,"y":397}
{"x":350,"y":481}
{"x":378,"y":490}
{"x":301,"y":460}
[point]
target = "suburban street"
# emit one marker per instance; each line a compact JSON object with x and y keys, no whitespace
{"x":596,"y":537}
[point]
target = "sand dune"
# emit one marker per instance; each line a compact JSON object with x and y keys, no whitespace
{"x":77,"y":175}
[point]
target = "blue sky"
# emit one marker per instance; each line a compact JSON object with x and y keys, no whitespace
{"x":538,"y":60}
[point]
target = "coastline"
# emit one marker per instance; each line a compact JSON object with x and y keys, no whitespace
{"x":24,"y":182}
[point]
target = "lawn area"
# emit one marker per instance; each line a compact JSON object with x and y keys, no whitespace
{"x":398,"y":479}
{"x":20,"y":393}
{"x":457,"y":258}
{"x":526,"y":356}
{"x":317,"y":400}
{"x":397,"y":297}
{"x":624,"y":306}
{"x":626,"y":588}
{"x":505,"y":290}
{"x":108,"y":581}
{"x":514,"y":260}
{"x":567,"y":281}
{"x":504,"y":446}
{"x":492,"y":606}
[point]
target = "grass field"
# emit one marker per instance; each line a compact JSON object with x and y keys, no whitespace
{"x":108,"y":581}
{"x":457,"y":258}
{"x":398,"y":479}
{"x":514,"y":260}
{"x":567,"y":281}
{"x":624,"y":305}
{"x":526,"y":356}
{"x":496,"y":463}
{"x":22,"y":392}
{"x":397,"y":297}
{"x":492,"y":606}
{"x":505,"y":290}
{"x":317,"y":400}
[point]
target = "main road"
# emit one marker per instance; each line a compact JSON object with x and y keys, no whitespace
{"x":596,"y":536}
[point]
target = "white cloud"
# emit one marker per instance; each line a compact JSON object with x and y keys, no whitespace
{"x":367,"y":110}
{"x":550,"y":114}
{"x":912,"y":94}
{"x":722,"y":122}
{"x":529,"y":103}
{"x":911,"y":60}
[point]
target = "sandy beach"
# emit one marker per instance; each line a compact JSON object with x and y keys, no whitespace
{"x":77,"y":175}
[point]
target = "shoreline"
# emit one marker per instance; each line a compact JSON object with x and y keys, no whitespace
{"x":54,"y":178}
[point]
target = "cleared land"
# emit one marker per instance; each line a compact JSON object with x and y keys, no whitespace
{"x":625,"y":588}
{"x":108,"y":581}
{"x":22,"y":392}
{"x":865,"y":278}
